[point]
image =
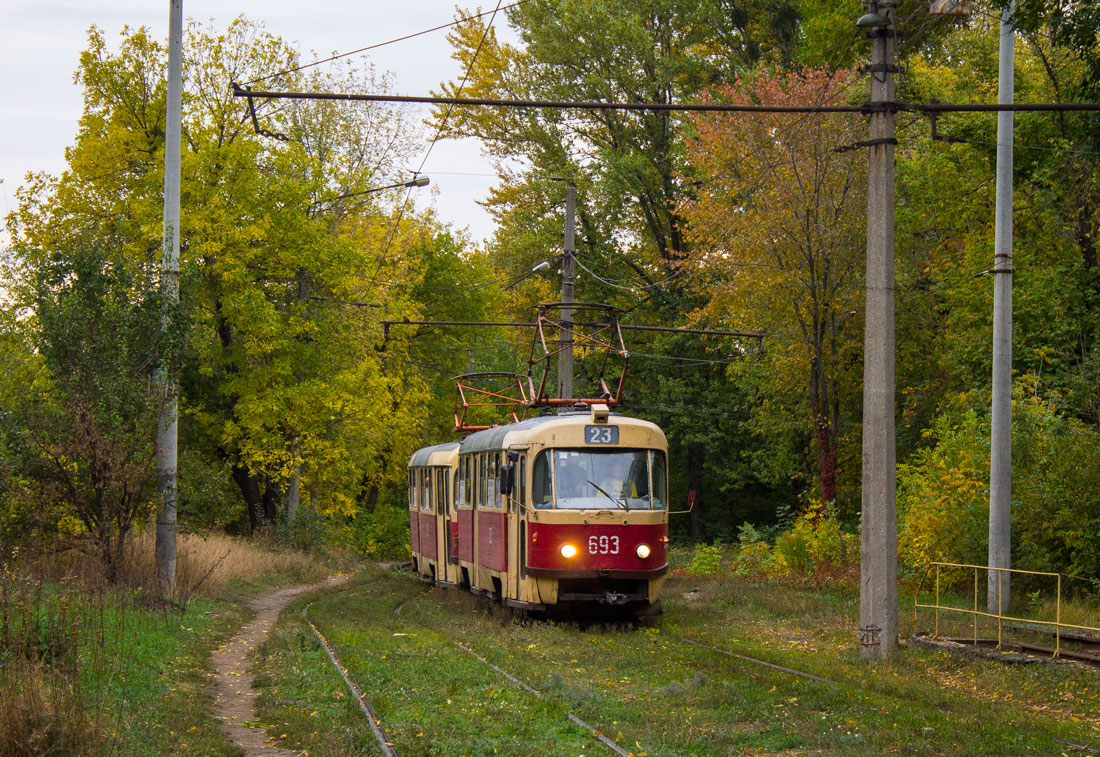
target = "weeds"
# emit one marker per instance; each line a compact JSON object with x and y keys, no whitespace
{"x":706,"y":560}
{"x":88,"y":666}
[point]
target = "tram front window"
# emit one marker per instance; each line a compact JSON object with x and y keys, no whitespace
{"x":602,"y":479}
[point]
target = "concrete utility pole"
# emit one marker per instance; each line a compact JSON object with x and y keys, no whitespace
{"x":1000,"y":458}
{"x":878,"y":594}
{"x":170,"y":287}
{"x":565,"y":357}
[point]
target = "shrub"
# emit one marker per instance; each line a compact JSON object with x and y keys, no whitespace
{"x":815,"y":546}
{"x":943,"y":494}
{"x":383,"y":534}
{"x":754,"y":556}
{"x":77,"y":429}
{"x":753,"y":560}
{"x":706,"y":560}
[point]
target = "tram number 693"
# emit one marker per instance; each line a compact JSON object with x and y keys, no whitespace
{"x":603,"y":545}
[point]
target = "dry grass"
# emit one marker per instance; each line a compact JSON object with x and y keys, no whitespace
{"x":205,"y":565}
{"x":42,"y":713}
{"x":62,"y":623}
{"x":211,"y":564}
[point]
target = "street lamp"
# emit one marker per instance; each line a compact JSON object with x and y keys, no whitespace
{"x":418,"y":181}
{"x":873,"y":18}
{"x":540,"y":267}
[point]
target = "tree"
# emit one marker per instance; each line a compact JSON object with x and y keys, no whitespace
{"x":629,"y":168}
{"x":777,"y":230}
{"x":81,"y":431}
{"x":287,"y":265}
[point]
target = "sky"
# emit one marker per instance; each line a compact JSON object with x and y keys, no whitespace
{"x":41,"y":42}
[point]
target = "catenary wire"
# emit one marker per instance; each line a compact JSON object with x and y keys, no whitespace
{"x":438,"y":133}
{"x":387,"y":42}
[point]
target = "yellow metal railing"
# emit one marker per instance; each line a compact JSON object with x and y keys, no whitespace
{"x":998,"y":616}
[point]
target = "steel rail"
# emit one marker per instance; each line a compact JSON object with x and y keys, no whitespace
{"x":361,"y":698}
{"x":529,"y":689}
{"x":572,"y":717}
{"x":820,"y":679}
{"x":765,"y":663}
{"x":746,"y":658}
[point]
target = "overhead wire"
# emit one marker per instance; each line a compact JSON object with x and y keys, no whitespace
{"x":629,"y":288}
{"x":833,"y":66}
{"x":375,"y":46}
{"x":435,"y":139}
{"x":686,"y":361}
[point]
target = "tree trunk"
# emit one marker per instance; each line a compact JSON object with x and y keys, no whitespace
{"x":271,"y":501}
{"x":372,"y":499}
{"x":250,"y":490}
{"x":293,"y":496}
{"x":696,"y":454}
{"x":826,"y":455}
{"x":293,"y":489}
{"x":824,"y":430}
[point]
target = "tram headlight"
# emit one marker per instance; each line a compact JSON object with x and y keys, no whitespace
{"x":568,"y":551}
{"x":642,"y":551}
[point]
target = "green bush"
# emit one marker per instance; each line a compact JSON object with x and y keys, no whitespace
{"x":754,"y":556}
{"x":207,"y":495}
{"x":706,"y":560}
{"x":815,"y":545}
{"x":943,"y":492}
{"x":753,"y":560}
{"x":383,"y":534}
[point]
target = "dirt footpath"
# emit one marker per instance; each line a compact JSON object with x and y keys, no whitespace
{"x":235,"y":701}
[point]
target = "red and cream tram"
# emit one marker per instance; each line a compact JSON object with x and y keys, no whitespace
{"x":562,"y":511}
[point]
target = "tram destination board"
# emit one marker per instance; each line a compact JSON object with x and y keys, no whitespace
{"x":601,"y":434}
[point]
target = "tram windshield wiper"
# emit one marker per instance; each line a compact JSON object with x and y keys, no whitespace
{"x":616,"y":500}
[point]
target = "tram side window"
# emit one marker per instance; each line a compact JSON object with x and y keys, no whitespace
{"x":445,"y":494}
{"x":522,"y":483}
{"x":483,"y":482}
{"x":660,"y":481}
{"x":460,"y":483}
{"x":426,"y":505}
{"x":440,"y":490}
{"x":470,"y":493}
{"x":412,"y":488}
{"x":542,"y":494}
{"x":494,"y":480}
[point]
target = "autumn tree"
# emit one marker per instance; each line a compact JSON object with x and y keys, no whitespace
{"x":80,"y":410}
{"x":777,"y":240}
{"x":629,"y":168}
{"x":287,"y":265}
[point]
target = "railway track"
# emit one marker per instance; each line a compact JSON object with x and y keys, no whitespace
{"x":379,"y":732}
{"x":597,"y":734}
{"x":1085,"y":748}
{"x":711,"y":672}
{"x":377,"y":727}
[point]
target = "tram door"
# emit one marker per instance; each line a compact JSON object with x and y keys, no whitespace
{"x":518,"y":559}
{"x":447,"y":486}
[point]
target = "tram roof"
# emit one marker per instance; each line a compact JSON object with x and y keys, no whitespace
{"x":423,"y":455}
{"x":493,"y":438}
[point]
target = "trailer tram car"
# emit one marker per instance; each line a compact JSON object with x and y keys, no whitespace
{"x":563,"y":512}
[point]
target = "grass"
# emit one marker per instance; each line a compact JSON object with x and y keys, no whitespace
{"x":649,"y":691}
{"x":413,"y":673}
{"x":87,"y":668}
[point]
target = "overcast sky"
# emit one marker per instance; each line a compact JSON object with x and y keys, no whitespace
{"x":41,"y":41}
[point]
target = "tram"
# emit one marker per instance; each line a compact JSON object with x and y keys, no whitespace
{"x":564,"y":513}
